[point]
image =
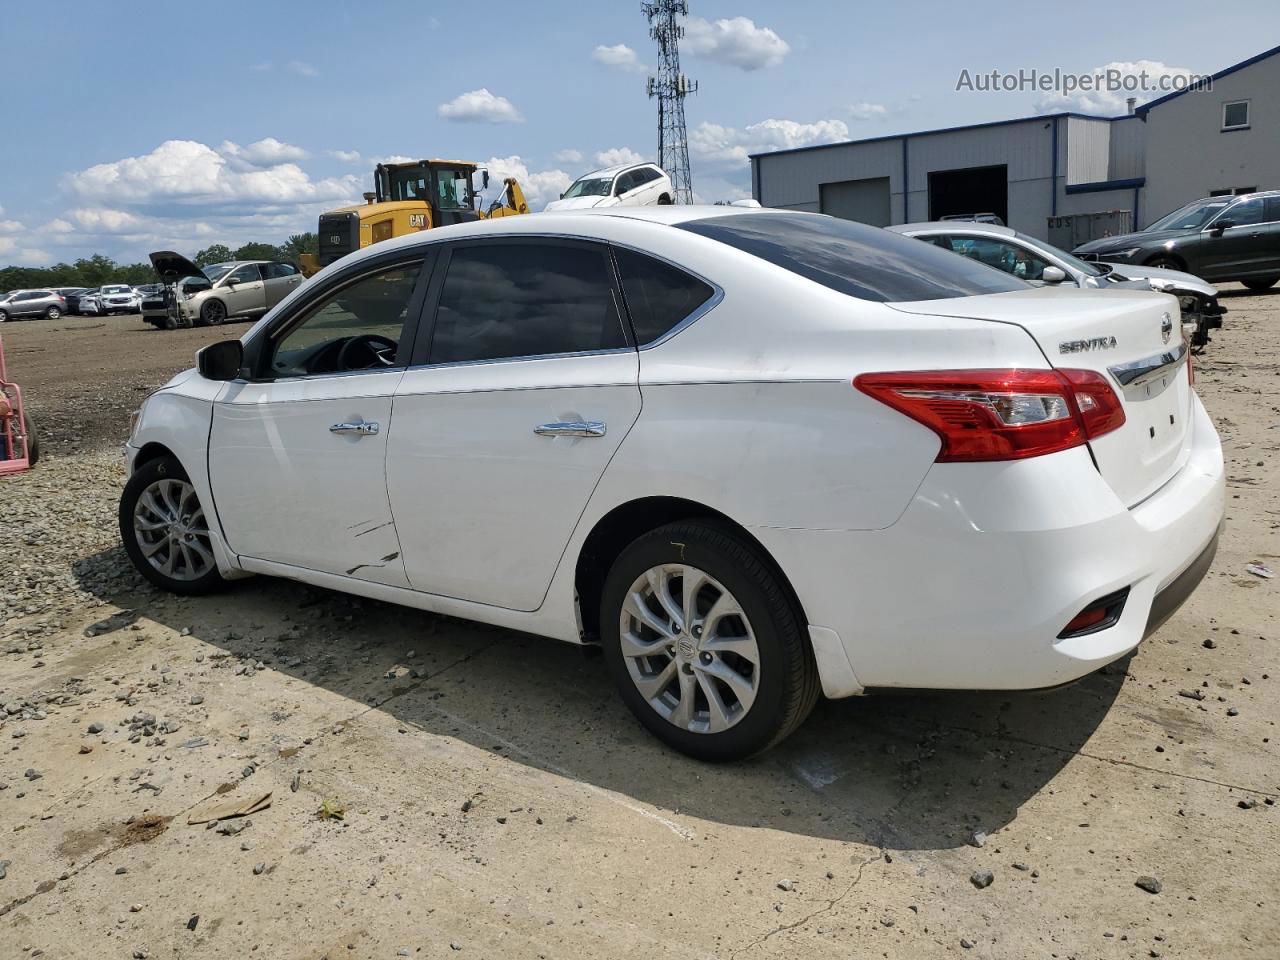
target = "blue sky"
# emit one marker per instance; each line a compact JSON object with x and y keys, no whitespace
{"x":149,"y":125}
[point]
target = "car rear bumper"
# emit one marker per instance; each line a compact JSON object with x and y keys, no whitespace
{"x":972,"y":586}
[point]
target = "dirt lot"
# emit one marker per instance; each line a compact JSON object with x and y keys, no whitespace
{"x":498,"y":801}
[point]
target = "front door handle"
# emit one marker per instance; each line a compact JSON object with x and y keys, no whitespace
{"x":362,"y":429}
{"x":572,"y":428}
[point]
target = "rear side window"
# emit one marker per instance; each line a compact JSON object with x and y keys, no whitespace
{"x":658,"y":295}
{"x":854,"y":258}
{"x":505,"y":300}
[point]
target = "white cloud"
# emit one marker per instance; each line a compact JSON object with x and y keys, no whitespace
{"x":302,"y":68}
{"x":737,"y":42}
{"x":726,"y":149}
{"x":620,"y":57}
{"x":480,"y":106}
{"x":394,"y":158}
{"x":540,"y":187}
{"x":346,"y":156}
{"x":10,"y":226}
{"x":867,"y":111}
{"x":18,"y":255}
{"x":617,"y":155}
{"x":190,"y":172}
{"x":101,"y":220}
{"x":261,"y":67}
{"x":266,"y":153}
{"x":1112,"y":102}
{"x":561,"y":156}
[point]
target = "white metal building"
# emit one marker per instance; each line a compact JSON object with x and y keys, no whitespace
{"x":1165,"y":153}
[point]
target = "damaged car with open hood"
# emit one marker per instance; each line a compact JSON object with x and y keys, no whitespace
{"x":217,"y":292}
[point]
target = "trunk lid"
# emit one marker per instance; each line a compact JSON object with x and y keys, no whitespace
{"x":1134,"y":339}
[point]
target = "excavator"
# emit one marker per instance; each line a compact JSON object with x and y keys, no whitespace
{"x":408,"y":197}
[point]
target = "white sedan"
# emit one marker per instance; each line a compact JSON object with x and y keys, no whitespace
{"x":754,"y":455}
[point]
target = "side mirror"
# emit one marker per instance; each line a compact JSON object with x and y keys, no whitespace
{"x":1053,"y":274}
{"x":221,"y":360}
{"x":1217,"y":228}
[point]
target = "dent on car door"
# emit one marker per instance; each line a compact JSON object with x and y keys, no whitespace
{"x":507,"y":420}
{"x":297,"y":454}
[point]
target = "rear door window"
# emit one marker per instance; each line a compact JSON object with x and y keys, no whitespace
{"x":853,"y":258}
{"x":508,"y":300}
{"x":659,"y":296}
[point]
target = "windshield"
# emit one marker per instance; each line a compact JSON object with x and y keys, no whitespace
{"x":854,"y":258}
{"x":1193,"y":216}
{"x":597,"y":187}
{"x":115,"y":288}
{"x":216,"y":271}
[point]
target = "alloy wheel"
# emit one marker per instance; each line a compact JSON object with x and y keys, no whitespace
{"x":689,"y":648}
{"x":214,"y":313}
{"x":172,"y":531}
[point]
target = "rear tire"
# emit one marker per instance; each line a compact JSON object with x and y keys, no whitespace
{"x":33,"y":441}
{"x":4,"y":315}
{"x":165,"y":530}
{"x":1260,"y":283}
{"x":52,"y":313}
{"x":664,"y":200}
{"x":762,"y":641}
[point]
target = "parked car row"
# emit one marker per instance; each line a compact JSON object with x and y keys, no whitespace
{"x":50,"y":303}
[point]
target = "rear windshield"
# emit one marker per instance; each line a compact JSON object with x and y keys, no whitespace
{"x":853,"y":258}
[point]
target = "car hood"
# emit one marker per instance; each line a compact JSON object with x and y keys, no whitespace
{"x":173,"y":266}
{"x":1124,"y":241}
{"x":1163,"y":279}
{"x":582,"y":203}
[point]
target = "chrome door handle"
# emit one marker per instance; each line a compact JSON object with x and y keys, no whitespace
{"x":572,"y":428}
{"x":362,"y":429}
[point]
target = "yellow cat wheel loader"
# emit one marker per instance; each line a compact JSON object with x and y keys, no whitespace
{"x":408,"y":197}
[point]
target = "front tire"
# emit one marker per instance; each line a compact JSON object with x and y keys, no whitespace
{"x":1260,"y":283}
{"x":213,"y":312}
{"x":705,"y":642}
{"x":165,"y":530}
{"x":1166,"y":263}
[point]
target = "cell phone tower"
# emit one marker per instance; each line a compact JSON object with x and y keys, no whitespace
{"x":670,"y":87}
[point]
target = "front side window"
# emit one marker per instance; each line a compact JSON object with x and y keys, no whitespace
{"x":1245,"y":213}
{"x":853,"y":258}
{"x":357,"y":327}
{"x":506,"y":300}
{"x":1009,"y":257}
{"x":249,"y":273}
{"x":452,"y":187}
{"x":658,"y":295}
{"x":625,"y":182}
{"x":1235,"y":115}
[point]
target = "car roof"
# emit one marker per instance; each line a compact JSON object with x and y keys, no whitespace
{"x":618,"y":168}
{"x":952,"y":226}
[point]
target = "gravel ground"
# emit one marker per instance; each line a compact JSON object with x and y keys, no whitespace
{"x":439,"y":788}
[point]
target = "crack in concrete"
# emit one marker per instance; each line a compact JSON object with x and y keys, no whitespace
{"x":809,"y":916}
{"x":72,"y":874}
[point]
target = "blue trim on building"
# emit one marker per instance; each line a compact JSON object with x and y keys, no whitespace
{"x":1053,"y":181}
{"x":1142,"y":110}
{"x":927,"y":133}
{"x":1098,"y":186}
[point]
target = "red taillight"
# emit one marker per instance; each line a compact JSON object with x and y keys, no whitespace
{"x":1001,"y":414}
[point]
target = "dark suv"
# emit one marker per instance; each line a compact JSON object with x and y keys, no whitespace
{"x":1217,"y":239}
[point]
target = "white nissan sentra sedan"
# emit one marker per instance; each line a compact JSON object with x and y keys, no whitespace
{"x":754,"y":455}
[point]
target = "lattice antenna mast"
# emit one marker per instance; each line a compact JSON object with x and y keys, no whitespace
{"x":670,"y":87}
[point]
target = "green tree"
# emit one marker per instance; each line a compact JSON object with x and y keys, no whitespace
{"x":257,"y":251}
{"x":297,"y":245}
{"x":216,"y":253}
